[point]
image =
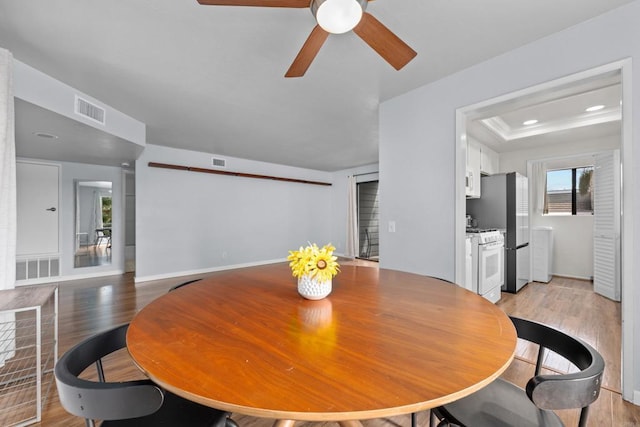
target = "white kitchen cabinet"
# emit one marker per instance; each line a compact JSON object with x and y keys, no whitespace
{"x":488,"y":161}
{"x":542,"y":248}
{"x":473,"y":169}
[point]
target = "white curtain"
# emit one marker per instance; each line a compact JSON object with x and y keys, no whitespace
{"x":538,"y":184}
{"x":8,"y":208}
{"x":351,"y":248}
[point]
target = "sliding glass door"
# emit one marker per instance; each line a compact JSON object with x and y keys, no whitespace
{"x":368,"y":223}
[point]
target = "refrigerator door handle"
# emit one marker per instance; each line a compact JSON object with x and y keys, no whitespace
{"x":517,"y":247}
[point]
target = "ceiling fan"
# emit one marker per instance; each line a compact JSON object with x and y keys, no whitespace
{"x":335,"y":17}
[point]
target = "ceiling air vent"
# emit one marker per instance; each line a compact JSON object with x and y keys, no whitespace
{"x":89,"y":111}
{"x":218,"y":162}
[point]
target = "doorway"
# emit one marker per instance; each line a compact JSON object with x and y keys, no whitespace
{"x":623,"y":70}
{"x":368,"y":221}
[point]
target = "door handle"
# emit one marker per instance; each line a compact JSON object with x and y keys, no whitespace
{"x":52,"y":209}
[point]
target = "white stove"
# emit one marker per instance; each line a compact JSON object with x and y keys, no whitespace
{"x":487,"y":262}
{"x":486,"y":236}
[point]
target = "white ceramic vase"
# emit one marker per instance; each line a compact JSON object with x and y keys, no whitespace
{"x":313,"y":289}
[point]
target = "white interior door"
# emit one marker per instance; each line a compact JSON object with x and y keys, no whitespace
{"x":37,"y":208}
{"x":606,"y":225}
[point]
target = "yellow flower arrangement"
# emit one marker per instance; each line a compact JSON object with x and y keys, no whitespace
{"x":318,"y":263}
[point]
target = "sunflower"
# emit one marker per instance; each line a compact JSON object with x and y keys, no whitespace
{"x":318,"y":263}
{"x":323,"y":264}
{"x":300,"y":260}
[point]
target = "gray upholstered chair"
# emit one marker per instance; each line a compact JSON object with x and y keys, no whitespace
{"x":502,"y":403}
{"x":123,"y":404}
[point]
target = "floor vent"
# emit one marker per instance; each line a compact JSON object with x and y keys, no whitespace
{"x":218,"y":162}
{"x":89,"y":110}
{"x":37,"y":268}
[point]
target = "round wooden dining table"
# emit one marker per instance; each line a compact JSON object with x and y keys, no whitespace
{"x":382,"y":343}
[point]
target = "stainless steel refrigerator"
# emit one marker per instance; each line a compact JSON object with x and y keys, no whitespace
{"x":504,"y":204}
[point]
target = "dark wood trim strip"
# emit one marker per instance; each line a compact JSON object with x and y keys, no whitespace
{"x":241,"y":174}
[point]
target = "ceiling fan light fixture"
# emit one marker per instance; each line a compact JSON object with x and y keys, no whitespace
{"x":338,"y":16}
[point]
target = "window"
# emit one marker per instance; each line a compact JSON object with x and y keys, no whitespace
{"x":569,"y":191}
{"x":106,"y":211}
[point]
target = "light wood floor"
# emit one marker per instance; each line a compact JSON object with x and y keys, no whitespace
{"x":572,"y":306}
{"x":89,"y":306}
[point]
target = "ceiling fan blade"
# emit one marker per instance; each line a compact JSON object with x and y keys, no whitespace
{"x":258,"y":3}
{"x":308,"y":52}
{"x":382,"y":40}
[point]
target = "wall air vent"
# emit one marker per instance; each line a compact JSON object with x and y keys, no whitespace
{"x":37,"y":268}
{"x":218,"y":162}
{"x":89,"y":110}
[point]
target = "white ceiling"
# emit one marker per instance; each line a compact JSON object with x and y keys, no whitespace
{"x":210,"y":78}
{"x":67,"y":139}
{"x":561,"y":115}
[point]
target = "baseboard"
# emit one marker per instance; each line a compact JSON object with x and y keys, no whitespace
{"x":57,"y":279}
{"x":567,"y":276}
{"x":636,"y":397}
{"x":171,"y":275}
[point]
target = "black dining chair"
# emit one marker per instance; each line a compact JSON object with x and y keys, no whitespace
{"x":103,"y":234}
{"x":136,"y":403}
{"x":502,"y":403}
{"x":173,"y":288}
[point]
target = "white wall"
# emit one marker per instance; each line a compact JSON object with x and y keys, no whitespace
{"x":418,"y":141}
{"x":417,"y":185}
{"x":572,"y":235}
{"x":188,"y":222}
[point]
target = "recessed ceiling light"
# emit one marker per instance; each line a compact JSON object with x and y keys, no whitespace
{"x":530,"y":122}
{"x":45,"y":135}
{"x":594,"y":108}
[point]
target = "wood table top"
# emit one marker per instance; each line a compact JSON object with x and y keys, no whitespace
{"x":383,"y":343}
